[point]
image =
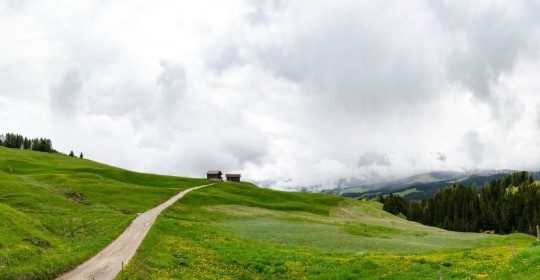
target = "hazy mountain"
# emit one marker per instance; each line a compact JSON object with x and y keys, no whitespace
{"x":422,"y":185}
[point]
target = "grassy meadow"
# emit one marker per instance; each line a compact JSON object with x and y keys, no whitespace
{"x":525,"y":266}
{"x":57,"y":211}
{"x":239,"y":231}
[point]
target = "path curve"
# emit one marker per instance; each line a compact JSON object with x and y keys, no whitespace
{"x":108,"y":263}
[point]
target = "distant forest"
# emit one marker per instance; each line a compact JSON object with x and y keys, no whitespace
{"x":11,"y":140}
{"x":17,"y":141}
{"x":509,"y":204}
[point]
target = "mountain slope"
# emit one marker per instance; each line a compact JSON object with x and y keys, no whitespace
{"x":422,"y":186}
{"x":57,"y":211}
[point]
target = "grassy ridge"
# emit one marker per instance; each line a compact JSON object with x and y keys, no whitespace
{"x":239,"y":231}
{"x":57,"y":211}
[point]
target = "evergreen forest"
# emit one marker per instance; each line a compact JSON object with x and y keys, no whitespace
{"x":509,"y":204}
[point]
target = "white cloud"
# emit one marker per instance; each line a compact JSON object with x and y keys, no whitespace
{"x":66,"y":94}
{"x":305,"y":92}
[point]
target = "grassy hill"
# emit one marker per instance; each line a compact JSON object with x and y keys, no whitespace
{"x":57,"y":211}
{"x":239,"y":231}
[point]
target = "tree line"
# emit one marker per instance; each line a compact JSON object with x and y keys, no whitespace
{"x":509,"y":204}
{"x":17,"y":141}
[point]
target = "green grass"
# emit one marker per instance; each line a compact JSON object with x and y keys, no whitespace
{"x":239,"y":231}
{"x":57,"y":211}
{"x":526,"y":265}
{"x":423,"y":179}
{"x":407,"y":192}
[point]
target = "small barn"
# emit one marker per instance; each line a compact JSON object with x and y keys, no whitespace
{"x":233,"y":177}
{"x":214,"y":175}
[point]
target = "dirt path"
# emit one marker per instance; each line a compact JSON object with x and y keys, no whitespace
{"x":108,"y":263}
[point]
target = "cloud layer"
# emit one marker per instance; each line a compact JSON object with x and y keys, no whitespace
{"x":298,"y":93}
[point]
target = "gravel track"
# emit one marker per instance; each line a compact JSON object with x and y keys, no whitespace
{"x":108,"y":263}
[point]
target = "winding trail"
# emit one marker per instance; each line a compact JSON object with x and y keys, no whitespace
{"x":108,"y":263}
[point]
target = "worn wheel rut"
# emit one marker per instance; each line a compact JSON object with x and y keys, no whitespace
{"x":108,"y":263}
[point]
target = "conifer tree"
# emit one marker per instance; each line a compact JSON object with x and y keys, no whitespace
{"x":509,"y":204}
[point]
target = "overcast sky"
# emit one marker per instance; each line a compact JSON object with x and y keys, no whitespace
{"x":300,"y":92}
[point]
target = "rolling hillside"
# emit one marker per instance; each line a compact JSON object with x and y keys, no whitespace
{"x":239,"y":231}
{"x":57,"y":211}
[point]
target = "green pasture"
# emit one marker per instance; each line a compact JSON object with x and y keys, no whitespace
{"x":239,"y":231}
{"x":57,"y":211}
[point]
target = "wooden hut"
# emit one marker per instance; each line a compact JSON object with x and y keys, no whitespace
{"x":214,"y":175}
{"x":233,"y":177}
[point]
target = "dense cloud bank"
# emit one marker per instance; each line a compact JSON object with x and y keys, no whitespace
{"x":295,"y":93}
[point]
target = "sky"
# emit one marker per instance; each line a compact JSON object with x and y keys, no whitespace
{"x":287,"y":93}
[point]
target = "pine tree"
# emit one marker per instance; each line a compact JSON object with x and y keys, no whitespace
{"x":26,"y":143}
{"x":81,"y":156}
{"x":71,"y":154}
{"x":509,"y":204}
